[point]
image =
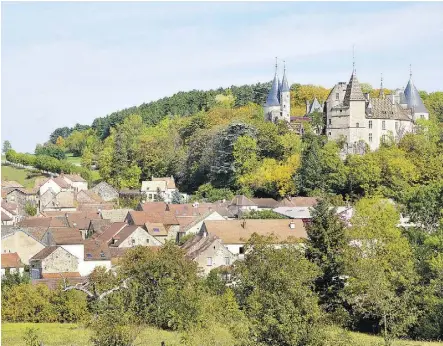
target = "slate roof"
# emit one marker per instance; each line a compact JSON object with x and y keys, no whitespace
{"x":353,"y":91}
{"x":11,"y":260}
{"x":272,"y":99}
{"x":413,"y":98}
{"x":105,"y":190}
{"x":384,"y":109}
{"x":315,"y":106}
{"x":284,"y":83}
{"x":233,"y":232}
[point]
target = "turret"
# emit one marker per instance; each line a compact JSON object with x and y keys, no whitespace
{"x":285,"y":98}
{"x":272,"y":105}
{"x":414,"y":101}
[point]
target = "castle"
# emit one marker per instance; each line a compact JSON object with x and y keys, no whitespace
{"x":353,"y":116}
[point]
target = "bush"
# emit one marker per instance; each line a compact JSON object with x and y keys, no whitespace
{"x":30,"y":209}
{"x":31,"y":337}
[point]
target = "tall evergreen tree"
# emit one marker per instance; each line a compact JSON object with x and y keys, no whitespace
{"x":325,"y":246}
{"x":309,"y":177}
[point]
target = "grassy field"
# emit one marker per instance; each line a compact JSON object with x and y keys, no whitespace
{"x":19,"y":175}
{"x":55,"y":334}
{"x":72,"y":159}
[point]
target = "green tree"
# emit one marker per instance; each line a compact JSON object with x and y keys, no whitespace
{"x":275,"y":290}
{"x":6,"y":146}
{"x":176,"y":197}
{"x":325,"y":247}
{"x":30,"y":209}
{"x":245,"y":155}
{"x":87,"y":158}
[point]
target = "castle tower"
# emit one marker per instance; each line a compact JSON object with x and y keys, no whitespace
{"x":414,"y":101}
{"x":381,"y":94}
{"x":285,"y":98}
{"x":272,"y":105}
{"x":355,"y":102}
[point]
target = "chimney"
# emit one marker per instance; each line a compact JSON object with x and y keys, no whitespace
{"x":307,"y":107}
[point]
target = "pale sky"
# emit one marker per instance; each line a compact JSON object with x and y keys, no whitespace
{"x":65,"y":63}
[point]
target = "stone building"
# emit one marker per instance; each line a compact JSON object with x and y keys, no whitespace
{"x":278,"y":101}
{"x":358,"y":119}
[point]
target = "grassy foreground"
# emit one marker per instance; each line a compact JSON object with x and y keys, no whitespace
{"x":19,"y":175}
{"x":56,"y":334}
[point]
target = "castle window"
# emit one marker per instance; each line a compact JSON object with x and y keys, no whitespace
{"x":370,"y":137}
{"x":330,"y":121}
{"x":337,"y":96}
{"x":357,"y":125}
{"x":383,"y":125}
{"x":370,"y":124}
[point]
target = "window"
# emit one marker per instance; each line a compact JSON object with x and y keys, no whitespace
{"x":396,"y":125}
{"x":330,"y":121}
{"x":329,"y":133}
{"x":370,"y":124}
{"x":147,"y":241}
{"x":209,"y":261}
{"x":370,"y":137}
{"x":241,"y":250}
{"x":337,"y":96}
{"x":156,"y":230}
{"x":383,"y":125}
{"x":422,"y":116}
{"x":357,"y":125}
{"x":227,"y":261}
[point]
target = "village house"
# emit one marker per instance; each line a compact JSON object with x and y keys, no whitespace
{"x":164,"y":185}
{"x":158,"y":231}
{"x":166,"y":218}
{"x":10,"y":214}
{"x":21,"y":197}
{"x":76,"y":182}
{"x":97,"y":227}
{"x":17,"y":240}
{"x":235,"y":233}
{"x":11,"y":263}
{"x":196,"y":224}
{"x":241,"y":204}
{"x":62,"y":201}
{"x":53,"y":260}
{"x":107,"y":192}
{"x":56,"y":184}
{"x":209,"y":252}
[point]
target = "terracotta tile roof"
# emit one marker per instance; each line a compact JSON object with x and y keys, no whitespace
{"x":110,"y":232}
{"x":81,"y":220}
{"x":62,"y":236}
{"x":10,"y":184}
{"x":298,"y":202}
{"x":170,"y":182}
{"x":43,"y":253}
{"x":141,"y":217}
{"x":5,"y":217}
{"x":95,"y":208}
{"x":99,"y":225}
{"x":11,"y":260}
{"x":36,"y":232}
{"x":88,"y":197}
{"x":96,"y":250}
{"x":115,"y":215}
{"x":153,"y":207}
{"x":242,"y":201}
{"x":124,"y":233}
{"x":156,"y":229}
{"x":232,"y":231}
{"x":61,"y":182}
{"x":265,"y":202}
{"x":10,"y":207}
{"x":36,"y":222}
{"x":61,"y":275}
{"x":4,"y":193}
{"x":74,"y":178}
{"x":54,"y":283}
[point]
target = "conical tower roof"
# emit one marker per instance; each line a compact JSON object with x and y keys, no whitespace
{"x":279,"y":90}
{"x":284,"y":82}
{"x":315,"y":106}
{"x":353,"y":91}
{"x":413,"y":98}
{"x":272,"y":99}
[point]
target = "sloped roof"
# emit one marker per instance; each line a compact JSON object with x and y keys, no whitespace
{"x":272,"y":99}
{"x":284,"y":83}
{"x":74,"y":178}
{"x":353,"y":91}
{"x":197,"y":244}
{"x":413,"y":98}
{"x":170,"y":182}
{"x":242,"y":201}
{"x":99,"y":225}
{"x":384,"y":109}
{"x":53,"y":283}
{"x":57,"y":221}
{"x":96,"y":250}
{"x":156,"y":229}
{"x":152,"y":186}
{"x":315,"y":106}
{"x":95,"y":208}
{"x":124,"y":233}
{"x":62,"y":236}
{"x":45,"y":252}
{"x":6,"y":217}
{"x":88,"y":196}
{"x":233,"y":232}
{"x":81,"y":220}
{"x":298,"y":202}
{"x":110,"y":231}
{"x":11,"y":184}
{"x":11,"y":260}
{"x":61,"y":275}
{"x":10,"y":207}
{"x":60,"y":182}
{"x":141,"y":217}
{"x":115,"y":215}
{"x":265,"y":202}
{"x":36,"y":232}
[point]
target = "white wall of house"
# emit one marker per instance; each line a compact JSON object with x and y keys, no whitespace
{"x":80,"y":185}
{"x":78,"y":250}
{"x":140,"y":237}
{"x":13,"y":270}
{"x":213,"y":257}
{"x":25,"y":245}
{"x":197,"y":227}
{"x":49,"y":184}
{"x":236,"y":249}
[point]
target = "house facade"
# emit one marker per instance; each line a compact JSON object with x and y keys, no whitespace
{"x":51,"y":260}
{"x":20,"y":242}
{"x":105,"y":191}
{"x":163,"y":185}
{"x":11,"y":263}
